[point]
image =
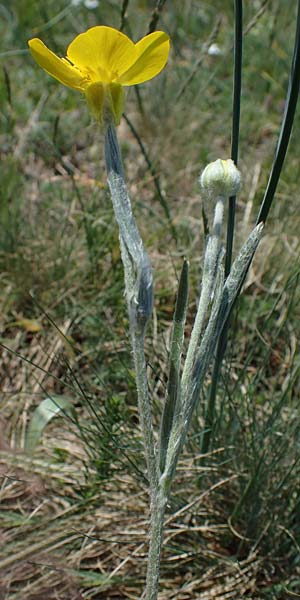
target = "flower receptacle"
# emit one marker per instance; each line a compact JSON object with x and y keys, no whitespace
{"x":105,"y":101}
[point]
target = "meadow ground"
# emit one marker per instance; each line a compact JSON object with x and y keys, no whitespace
{"x":74,"y":507}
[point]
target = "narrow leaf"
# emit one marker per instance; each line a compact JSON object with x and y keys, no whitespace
{"x":242,"y":263}
{"x":202,"y":361}
{"x":172,"y":400}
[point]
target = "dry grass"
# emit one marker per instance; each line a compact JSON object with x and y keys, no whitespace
{"x":57,"y":546}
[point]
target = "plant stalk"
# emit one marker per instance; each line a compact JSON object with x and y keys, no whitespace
{"x":208,"y":282}
{"x":236,"y":111}
{"x":158,"y":507}
{"x":144,"y":405}
{"x":139,"y":291}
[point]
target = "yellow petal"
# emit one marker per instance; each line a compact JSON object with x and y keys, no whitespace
{"x":55,"y":66}
{"x":102,"y":52}
{"x":152,"y":55}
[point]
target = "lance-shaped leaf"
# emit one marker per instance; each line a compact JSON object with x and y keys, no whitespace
{"x":173,"y":398}
{"x":231,"y":291}
{"x":204,"y":355}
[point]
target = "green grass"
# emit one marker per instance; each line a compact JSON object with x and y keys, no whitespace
{"x":60,"y":265}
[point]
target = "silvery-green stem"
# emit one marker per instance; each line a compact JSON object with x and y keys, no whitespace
{"x":160,"y":496}
{"x":139,"y":293}
{"x":141,"y":380}
{"x":211,"y":257}
{"x":158,"y":506}
{"x":138,"y":288}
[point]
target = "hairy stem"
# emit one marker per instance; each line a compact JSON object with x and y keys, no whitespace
{"x":208,"y":283}
{"x":139,"y":291}
{"x":158,"y":506}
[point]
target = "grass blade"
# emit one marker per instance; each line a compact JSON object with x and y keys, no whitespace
{"x":236,"y":111}
{"x":286,"y":127}
{"x":43,"y":414}
{"x":237,"y":86}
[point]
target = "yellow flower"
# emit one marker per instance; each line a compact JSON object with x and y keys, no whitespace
{"x":101,"y":61}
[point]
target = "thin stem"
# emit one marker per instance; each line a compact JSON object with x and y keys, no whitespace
{"x":286,"y":127}
{"x":237,"y":85}
{"x":158,"y":507}
{"x":195,"y":69}
{"x":208,"y":282}
{"x":155,"y":15}
{"x":222,"y":343}
{"x":144,"y":404}
{"x":236,"y":112}
{"x":139,"y":100}
{"x":124,"y":14}
{"x":210,"y":408}
{"x":139,"y":292}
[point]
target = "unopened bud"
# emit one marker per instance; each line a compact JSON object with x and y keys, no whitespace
{"x":220,"y":178}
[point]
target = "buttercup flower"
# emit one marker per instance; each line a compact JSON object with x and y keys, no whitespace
{"x":101,"y":61}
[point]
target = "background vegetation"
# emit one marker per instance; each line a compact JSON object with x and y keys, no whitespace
{"x":74,"y":511}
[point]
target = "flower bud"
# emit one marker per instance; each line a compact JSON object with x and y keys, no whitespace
{"x":220,"y":178}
